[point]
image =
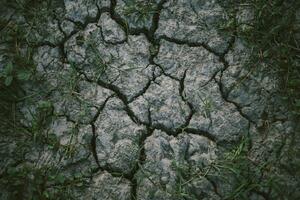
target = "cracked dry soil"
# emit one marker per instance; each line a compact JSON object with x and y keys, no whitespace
{"x":135,"y":100}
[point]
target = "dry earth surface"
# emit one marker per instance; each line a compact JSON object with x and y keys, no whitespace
{"x":142,"y":108}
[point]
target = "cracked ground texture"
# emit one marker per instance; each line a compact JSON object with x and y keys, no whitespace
{"x":135,"y":102}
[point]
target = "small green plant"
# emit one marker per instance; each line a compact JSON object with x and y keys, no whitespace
{"x":97,"y":61}
{"x":207,"y":105}
{"x":10,"y":73}
{"x":16,"y":56}
{"x":140,"y":11}
{"x":40,"y":183}
{"x":183,"y":173}
{"x":273,"y":34}
{"x":7,"y":74}
{"x":25,"y":113}
{"x":249,"y":176}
